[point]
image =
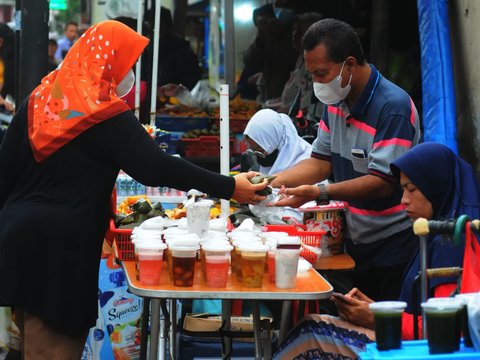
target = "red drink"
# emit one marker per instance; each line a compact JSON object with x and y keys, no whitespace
{"x":149,"y":267}
{"x":217,"y":271}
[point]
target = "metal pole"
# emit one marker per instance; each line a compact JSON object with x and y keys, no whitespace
{"x":423,"y":280}
{"x":229,"y":44}
{"x":256,"y":330}
{"x":226,"y":312}
{"x":155,"y":328}
{"x":224,"y":142}
{"x":18,"y":28}
{"x":33,"y":45}
{"x":138,"y":69}
{"x":156,"y":44}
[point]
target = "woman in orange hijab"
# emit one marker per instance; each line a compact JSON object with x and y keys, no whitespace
{"x":58,"y":165}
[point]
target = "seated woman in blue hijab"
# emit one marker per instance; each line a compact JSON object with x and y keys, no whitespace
{"x":436,"y":185}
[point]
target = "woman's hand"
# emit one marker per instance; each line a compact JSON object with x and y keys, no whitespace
{"x":295,"y":197}
{"x":354,"y":310}
{"x":245,"y":191}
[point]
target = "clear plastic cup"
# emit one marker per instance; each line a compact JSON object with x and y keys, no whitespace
{"x":150,"y":256}
{"x":236,"y":254}
{"x":388,"y":323}
{"x":286,"y":261}
{"x":139,"y":239}
{"x":217,"y":258}
{"x":458,"y":317}
{"x":271,"y":265}
{"x":442,"y":325}
{"x":253,"y":263}
{"x":183,"y":239}
{"x":202,"y":254}
{"x":198,"y":216}
{"x":183,"y":263}
{"x":465,"y":299}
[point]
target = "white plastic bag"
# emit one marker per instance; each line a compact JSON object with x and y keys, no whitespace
{"x":474,"y":320}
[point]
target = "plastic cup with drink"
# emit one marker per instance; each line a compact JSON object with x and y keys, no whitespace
{"x":184,"y":255}
{"x":286,"y":261}
{"x":388,"y":323}
{"x":443,"y":324}
{"x":253,"y":256}
{"x":150,"y":257}
{"x":217,"y":259}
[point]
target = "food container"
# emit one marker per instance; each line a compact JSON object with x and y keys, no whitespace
{"x":329,"y":218}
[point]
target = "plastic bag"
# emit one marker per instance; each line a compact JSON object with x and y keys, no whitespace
{"x":474,"y":320}
{"x":471,"y":263}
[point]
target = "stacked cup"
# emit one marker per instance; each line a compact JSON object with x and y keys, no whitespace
{"x":237,"y":242}
{"x":185,"y":239}
{"x":286,"y":261}
{"x":217,"y":260}
{"x":149,"y":249}
{"x":252,"y":263}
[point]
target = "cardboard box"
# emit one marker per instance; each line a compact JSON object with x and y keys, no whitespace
{"x":206,"y":322}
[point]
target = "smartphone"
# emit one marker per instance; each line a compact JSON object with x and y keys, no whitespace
{"x":339,"y":296}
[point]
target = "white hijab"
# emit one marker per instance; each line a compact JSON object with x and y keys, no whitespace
{"x":272,"y":130}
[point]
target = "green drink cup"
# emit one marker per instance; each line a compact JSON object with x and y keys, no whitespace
{"x":443,"y":329}
{"x":388,"y":323}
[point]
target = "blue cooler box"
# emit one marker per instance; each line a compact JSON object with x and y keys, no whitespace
{"x":416,"y":350}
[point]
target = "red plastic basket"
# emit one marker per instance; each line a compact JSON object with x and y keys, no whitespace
{"x":237,"y":125}
{"x":311,"y":238}
{"x":121,"y":237}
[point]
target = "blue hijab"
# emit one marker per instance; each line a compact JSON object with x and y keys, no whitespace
{"x":449,"y":183}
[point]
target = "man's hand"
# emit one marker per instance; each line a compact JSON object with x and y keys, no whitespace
{"x":354,"y":310}
{"x":245,"y":191}
{"x":295,"y":197}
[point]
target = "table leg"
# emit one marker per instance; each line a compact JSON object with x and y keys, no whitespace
{"x":155,"y":328}
{"x":226,"y":313}
{"x":173,"y":329}
{"x":256,"y":330}
{"x":266,"y":338}
{"x":163,"y":330}
{"x":284,"y":320}
{"x":144,"y":329}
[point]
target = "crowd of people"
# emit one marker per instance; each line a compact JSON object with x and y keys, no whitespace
{"x":367,"y":144}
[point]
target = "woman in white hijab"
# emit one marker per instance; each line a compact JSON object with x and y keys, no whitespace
{"x":272,"y":137}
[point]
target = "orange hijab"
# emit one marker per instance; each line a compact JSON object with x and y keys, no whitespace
{"x":82,"y":92}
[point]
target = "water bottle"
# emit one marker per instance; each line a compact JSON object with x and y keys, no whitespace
{"x":141,"y":190}
{"x":131,"y":187}
{"x":121,"y":185}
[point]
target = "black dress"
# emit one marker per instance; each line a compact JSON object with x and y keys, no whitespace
{"x":54,"y":214}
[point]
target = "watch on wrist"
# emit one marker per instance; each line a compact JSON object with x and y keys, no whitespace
{"x":323,"y":198}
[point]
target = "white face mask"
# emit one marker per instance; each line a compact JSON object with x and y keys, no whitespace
{"x":332,"y":92}
{"x":124,"y":86}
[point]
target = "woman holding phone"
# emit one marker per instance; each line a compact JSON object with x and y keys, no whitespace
{"x":436,"y":185}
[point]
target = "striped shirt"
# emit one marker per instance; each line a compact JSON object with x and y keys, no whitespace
{"x":381,"y":126}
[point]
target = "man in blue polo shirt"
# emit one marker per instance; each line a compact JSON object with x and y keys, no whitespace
{"x":368,"y":122}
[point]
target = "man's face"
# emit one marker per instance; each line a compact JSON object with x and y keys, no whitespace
{"x":71,"y":32}
{"x":322,"y":69}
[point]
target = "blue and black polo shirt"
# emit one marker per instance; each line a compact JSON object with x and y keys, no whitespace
{"x":382,"y":125}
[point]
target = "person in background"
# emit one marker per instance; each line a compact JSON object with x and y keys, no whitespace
{"x":58,"y":165}
{"x":70,"y":34}
{"x":298,"y":100}
{"x":177,"y":63}
{"x":273,"y":140}
{"x":52,"y":48}
{"x":7,"y":66}
{"x":368,"y":123}
{"x":436,"y":184}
